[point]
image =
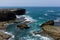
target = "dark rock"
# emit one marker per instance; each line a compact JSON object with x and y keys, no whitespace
{"x":23,"y":26}
{"x":20,"y":12}
{"x":10,"y":14}
{"x":7,"y":16}
{"x":50,"y":22}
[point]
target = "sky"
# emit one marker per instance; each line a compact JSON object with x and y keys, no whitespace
{"x":38,"y":3}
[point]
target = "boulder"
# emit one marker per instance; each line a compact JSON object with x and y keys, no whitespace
{"x":51,"y":30}
{"x":23,"y":26}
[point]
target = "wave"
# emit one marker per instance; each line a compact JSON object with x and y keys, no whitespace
{"x":28,"y":18}
{"x":50,"y":11}
{"x":42,"y":37}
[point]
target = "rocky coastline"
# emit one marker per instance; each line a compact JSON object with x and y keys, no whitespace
{"x":8,"y":16}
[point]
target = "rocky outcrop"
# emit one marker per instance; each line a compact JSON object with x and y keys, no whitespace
{"x":22,"y":26}
{"x":10,"y":14}
{"x":51,"y":30}
{"x":4,"y":36}
{"x":51,"y":22}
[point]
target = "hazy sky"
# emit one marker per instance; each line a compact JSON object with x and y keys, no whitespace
{"x":30,"y":3}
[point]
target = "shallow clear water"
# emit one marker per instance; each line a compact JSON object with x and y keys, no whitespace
{"x":41,"y":15}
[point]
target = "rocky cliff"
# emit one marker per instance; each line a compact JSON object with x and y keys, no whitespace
{"x":10,"y":14}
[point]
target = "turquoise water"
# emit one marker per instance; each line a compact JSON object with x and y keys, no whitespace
{"x":41,"y":15}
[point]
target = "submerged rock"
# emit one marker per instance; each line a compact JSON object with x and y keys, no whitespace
{"x":51,"y":30}
{"x":23,"y":26}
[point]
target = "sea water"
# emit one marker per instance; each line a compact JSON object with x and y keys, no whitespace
{"x":37,"y":16}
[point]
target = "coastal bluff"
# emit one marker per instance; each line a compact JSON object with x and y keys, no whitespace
{"x":52,"y":30}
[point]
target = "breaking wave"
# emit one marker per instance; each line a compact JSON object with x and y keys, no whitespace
{"x":28,"y":18}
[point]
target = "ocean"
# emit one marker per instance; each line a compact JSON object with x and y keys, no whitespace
{"x":37,"y":16}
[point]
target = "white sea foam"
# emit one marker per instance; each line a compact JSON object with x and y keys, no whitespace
{"x":42,"y":37}
{"x":18,"y":16}
{"x":28,"y":18}
{"x":45,"y":38}
{"x":36,"y":37}
{"x":50,"y":11}
{"x":46,"y":14}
